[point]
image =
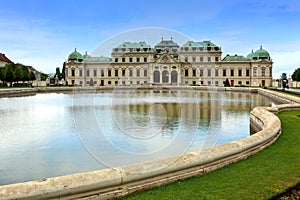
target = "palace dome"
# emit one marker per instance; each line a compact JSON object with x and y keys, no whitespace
{"x":261,"y":54}
{"x":75,"y":56}
{"x":86,"y":56}
{"x":250,"y":55}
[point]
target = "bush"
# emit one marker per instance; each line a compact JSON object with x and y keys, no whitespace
{"x":3,"y":85}
{"x":21,"y":85}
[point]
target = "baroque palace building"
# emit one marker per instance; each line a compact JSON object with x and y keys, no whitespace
{"x":167,"y":63}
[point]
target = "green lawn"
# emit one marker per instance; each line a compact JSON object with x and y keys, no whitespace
{"x":261,"y":176}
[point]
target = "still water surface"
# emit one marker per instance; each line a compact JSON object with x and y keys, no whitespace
{"x":55,"y":134}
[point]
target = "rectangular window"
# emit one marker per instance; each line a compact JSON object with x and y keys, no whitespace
{"x":186,"y":72}
{"x":208,"y":59}
{"x":138,"y":82}
{"x":247,"y":72}
{"x":87,"y":72}
{"x":95,"y":73}
{"x":263,"y":72}
{"x":194,"y":72}
{"x":130,"y":72}
{"x":216,"y":59}
{"x":130,"y":59}
{"x":137,"y":72}
{"x":116,"y":59}
{"x":247,"y":82}
{"x":208,"y":82}
{"x":137,"y":59}
{"x":201,"y":72}
{"x":73,"y":72}
{"x":194,"y":59}
{"x":80,"y":72}
{"x":116,"y":82}
{"x":232,"y":72}
{"x":109,"y":82}
{"x":109,"y":72}
{"x":123,"y":72}
{"x":145,"y":72}
{"x":240,"y":72}
{"x":186,"y":59}
{"x":201,"y":59}
{"x":254,"y":72}
{"x":80,"y":82}
{"x":145,"y":82}
{"x":224,"y":72}
{"x":217,"y":83}
{"x":145,"y":59}
{"x":123,"y":59}
{"x":116,"y":72}
{"x":102,"y":72}
{"x":209,"y":72}
{"x":216,"y":72}
{"x":240,"y":82}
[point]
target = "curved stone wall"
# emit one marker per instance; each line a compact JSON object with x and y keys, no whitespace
{"x":116,"y":182}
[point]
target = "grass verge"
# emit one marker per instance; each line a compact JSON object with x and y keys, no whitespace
{"x":262,"y":176}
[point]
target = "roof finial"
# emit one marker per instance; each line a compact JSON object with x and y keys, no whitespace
{"x":75,"y":50}
{"x":171,"y":38}
{"x":162,"y":38}
{"x":260,"y":46}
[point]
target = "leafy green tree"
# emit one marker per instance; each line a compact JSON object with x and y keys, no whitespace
{"x":32,"y":76}
{"x":227,"y":84}
{"x":44,"y":76}
{"x":19,"y":74}
{"x":57,"y":73}
{"x":2,"y":74}
{"x":26,"y":73}
{"x":296,"y":75}
{"x":10,"y":74}
{"x":63,"y":71}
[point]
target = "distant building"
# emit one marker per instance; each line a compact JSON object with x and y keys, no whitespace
{"x":4,"y":60}
{"x":167,"y":63}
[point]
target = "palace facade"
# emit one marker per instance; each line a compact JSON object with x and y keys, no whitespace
{"x":167,"y":63}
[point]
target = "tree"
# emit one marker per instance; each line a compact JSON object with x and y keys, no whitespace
{"x":10,"y":74}
{"x":19,"y":74}
{"x":2,"y":74}
{"x":26,"y":74}
{"x":227,"y":84}
{"x":296,"y":75}
{"x":32,"y":76}
{"x":63,"y":73}
{"x":44,"y":76}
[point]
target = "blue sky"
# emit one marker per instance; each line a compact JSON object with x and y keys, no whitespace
{"x":43,"y":33}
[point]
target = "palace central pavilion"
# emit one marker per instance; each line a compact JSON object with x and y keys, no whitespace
{"x":167,"y":63}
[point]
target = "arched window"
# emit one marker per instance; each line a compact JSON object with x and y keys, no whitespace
{"x":156,"y":76}
{"x":165,"y":76}
{"x":174,"y":77}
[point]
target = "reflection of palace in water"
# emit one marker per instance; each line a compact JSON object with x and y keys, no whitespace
{"x":198,"y":63}
{"x":204,"y":105}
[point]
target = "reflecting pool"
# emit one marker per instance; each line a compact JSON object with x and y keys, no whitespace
{"x":55,"y":134}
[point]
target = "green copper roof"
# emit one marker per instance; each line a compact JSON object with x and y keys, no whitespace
{"x":250,"y":55}
{"x":261,"y":54}
{"x":235,"y":58}
{"x":199,"y":44}
{"x":99,"y":59}
{"x":75,"y":56}
{"x":86,"y":56}
{"x":134,"y":45}
{"x":166,"y":43}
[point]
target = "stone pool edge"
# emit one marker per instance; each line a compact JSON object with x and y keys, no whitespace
{"x":121,"y":181}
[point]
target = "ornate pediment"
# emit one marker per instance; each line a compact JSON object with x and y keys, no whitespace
{"x":165,"y":58}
